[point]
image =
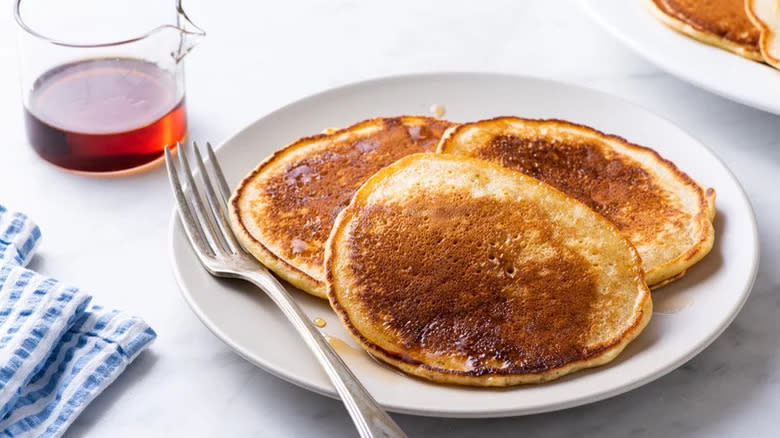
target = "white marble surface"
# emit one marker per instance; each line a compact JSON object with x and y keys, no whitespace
{"x":110,"y":235}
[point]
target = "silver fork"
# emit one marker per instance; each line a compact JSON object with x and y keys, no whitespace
{"x":206,"y":225}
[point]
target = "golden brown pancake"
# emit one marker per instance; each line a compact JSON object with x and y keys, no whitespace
{"x":462,"y":271}
{"x":661,"y":210}
{"x":282,"y":212}
{"x":765,"y":15}
{"x":721,"y":23}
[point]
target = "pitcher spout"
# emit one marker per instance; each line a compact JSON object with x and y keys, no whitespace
{"x":189,"y":33}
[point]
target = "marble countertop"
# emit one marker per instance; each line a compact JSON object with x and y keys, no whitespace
{"x":110,"y":235}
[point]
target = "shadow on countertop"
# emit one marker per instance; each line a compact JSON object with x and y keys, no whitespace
{"x":119,"y":388}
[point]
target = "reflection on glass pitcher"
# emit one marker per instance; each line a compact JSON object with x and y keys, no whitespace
{"x":103,"y":88}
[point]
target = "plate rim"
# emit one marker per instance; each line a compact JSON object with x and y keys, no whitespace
{"x":588,"y":6}
{"x":494,"y":413}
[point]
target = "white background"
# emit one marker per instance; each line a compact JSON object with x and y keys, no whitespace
{"x":110,"y":235}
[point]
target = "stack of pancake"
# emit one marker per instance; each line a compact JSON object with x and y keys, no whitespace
{"x":491,"y":253}
{"x":745,"y":27}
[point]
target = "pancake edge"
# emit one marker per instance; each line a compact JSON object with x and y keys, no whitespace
{"x":766,"y":34}
{"x":673,"y":269}
{"x":746,"y":51}
{"x":279,"y":265}
{"x":602,"y":355}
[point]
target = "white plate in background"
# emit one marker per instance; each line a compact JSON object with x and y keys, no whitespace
{"x":719,"y":71}
{"x":710,"y":294}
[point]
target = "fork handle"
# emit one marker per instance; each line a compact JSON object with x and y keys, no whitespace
{"x":370,"y":419}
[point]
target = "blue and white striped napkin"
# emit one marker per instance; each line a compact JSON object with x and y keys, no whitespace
{"x":57,"y":351}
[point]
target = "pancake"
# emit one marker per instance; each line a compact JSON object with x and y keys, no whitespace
{"x":721,"y":23}
{"x":461,"y":271}
{"x":282,"y":212}
{"x":664,"y":213}
{"x":765,"y":15}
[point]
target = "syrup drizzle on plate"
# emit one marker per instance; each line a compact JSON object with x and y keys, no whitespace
{"x":341,"y":347}
{"x":438,"y":110}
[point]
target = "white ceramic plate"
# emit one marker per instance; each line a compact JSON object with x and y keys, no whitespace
{"x":714,"y":69}
{"x":710,"y":295}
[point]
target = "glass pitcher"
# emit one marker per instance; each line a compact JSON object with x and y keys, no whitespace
{"x":103,"y":80}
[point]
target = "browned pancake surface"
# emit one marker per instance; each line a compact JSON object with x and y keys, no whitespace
{"x":726,"y":19}
{"x":664,"y":213}
{"x":612,"y":186}
{"x":284,"y":209}
{"x":462,"y":271}
{"x":321,"y":185}
{"x":426,"y":288}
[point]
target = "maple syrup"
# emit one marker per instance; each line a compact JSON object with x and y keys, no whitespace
{"x":105,"y":115}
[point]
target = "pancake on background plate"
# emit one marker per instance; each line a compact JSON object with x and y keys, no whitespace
{"x":664,"y":213}
{"x":462,"y":271}
{"x":721,"y":23}
{"x":765,"y":14}
{"x":282,"y":212}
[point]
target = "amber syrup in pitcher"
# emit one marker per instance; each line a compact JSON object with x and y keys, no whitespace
{"x":105,"y":115}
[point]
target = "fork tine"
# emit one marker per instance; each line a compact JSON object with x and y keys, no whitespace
{"x":191,"y":225}
{"x":200,"y":210}
{"x":223,"y":186}
{"x":215,"y":204}
{"x":223,"y":190}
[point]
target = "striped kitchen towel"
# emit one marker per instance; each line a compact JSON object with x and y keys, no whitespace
{"x":57,"y":351}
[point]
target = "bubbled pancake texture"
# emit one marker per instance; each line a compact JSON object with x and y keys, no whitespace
{"x":287,"y":205}
{"x":460,"y":270}
{"x":659,"y":209}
